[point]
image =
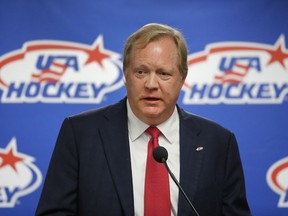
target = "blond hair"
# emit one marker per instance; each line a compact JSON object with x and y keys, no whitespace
{"x":152,"y":32}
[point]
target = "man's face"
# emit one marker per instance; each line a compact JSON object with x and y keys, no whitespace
{"x":153,"y":81}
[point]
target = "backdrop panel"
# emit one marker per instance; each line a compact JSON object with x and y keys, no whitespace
{"x":61,"y":57}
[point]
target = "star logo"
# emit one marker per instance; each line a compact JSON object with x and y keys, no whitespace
{"x":19,"y":176}
{"x":98,"y":54}
{"x":279,"y":54}
{"x":67,"y":72}
{"x":9,"y":157}
{"x":276,"y":178}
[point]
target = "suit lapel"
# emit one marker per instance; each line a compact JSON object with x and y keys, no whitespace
{"x":114,"y":134}
{"x":191,"y":156}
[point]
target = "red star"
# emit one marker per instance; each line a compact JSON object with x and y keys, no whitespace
{"x":278,"y":55}
{"x":9,"y":158}
{"x":96,"y":55}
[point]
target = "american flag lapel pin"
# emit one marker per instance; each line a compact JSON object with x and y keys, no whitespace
{"x":200,"y":148}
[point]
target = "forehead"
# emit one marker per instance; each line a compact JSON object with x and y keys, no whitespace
{"x":142,"y":43}
{"x":161,"y":49}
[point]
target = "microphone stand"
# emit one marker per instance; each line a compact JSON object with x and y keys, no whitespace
{"x":179,"y":186}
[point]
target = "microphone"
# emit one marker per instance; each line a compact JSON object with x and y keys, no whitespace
{"x":160,"y":154}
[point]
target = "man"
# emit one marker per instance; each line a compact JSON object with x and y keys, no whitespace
{"x":98,"y":165}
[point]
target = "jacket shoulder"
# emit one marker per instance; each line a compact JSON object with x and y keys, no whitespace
{"x":102,"y":112}
{"x":200,"y":123}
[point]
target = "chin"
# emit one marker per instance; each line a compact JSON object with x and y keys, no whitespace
{"x":153,"y":118}
{"x":151,"y":112}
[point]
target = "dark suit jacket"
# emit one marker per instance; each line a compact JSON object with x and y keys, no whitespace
{"x":90,"y":169}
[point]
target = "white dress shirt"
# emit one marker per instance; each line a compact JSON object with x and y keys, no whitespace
{"x":138,"y":140}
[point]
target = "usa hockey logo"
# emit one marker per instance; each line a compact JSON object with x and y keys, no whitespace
{"x":59,"y":72}
{"x":277,"y":179}
{"x":238,"y":73}
{"x":18,"y":175}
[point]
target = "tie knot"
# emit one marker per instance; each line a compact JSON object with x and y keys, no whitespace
{"x":154,"y":132}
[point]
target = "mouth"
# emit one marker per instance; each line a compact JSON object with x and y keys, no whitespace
{"x":151,"y":99}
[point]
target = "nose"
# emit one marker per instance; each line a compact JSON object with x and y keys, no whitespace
{"x":151,"y":81}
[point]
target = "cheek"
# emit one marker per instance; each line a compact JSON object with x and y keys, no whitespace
{"x":172,"y":87}
{"x":171,"y":92}
{"x":132,"y":85}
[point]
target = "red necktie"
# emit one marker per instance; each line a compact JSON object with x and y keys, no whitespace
{"x":157,"y":190}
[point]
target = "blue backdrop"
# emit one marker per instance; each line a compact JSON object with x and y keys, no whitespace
{"x":61,"y":57}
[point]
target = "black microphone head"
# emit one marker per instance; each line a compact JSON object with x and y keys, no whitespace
{"x":160,"y":154}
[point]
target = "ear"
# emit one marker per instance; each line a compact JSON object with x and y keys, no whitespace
{"x":125,"y":73}
{"x":184,"y":77}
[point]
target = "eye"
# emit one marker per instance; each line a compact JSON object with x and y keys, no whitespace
{"x":164,"y":75}
{"x":140,"y":73}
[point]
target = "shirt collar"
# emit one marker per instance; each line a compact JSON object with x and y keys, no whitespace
{"x":137,"y":127}
{"x":170,"y":127}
